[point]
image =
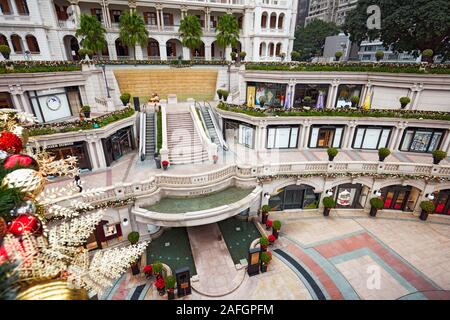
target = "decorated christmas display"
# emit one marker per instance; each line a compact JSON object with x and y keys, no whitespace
{"x":42,"y":257}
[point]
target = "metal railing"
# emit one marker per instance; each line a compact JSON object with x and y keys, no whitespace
{"x":208,"y":108}
{"x":142,"y":133}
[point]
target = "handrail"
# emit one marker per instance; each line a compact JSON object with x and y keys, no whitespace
{"x":155,"y":123}
{"x":200,"y":114}
{"x":142,"y":133}
{"x":216,"y":126}
{"x":204,"y":138}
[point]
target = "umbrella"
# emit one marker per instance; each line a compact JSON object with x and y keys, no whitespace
{"x":320,"y":100}
{"x":368,"y":99}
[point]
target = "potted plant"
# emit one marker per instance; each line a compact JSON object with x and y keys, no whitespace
{"x":86,"y":110}
{"x":148,"y":271}
{"x":242,"y":55}
{"x":404,"y":102}
{"x":427,"y":207}
{"x":133,"y":237}
{"x":262,"y":101}
{"x":265,"y":213}
{"x":5,"y":51}
{"x":265,"y":258}
{"x":83,"y":52}
{"x":379,"y":55}
{"x":307,"y":100}
{"x":165,"y":164}
{"x":276,"y":226}
{"x":376,"y":204}
{"x":355,"y":101}
{"x":233,"y":55}
{"x":338,"y":55}
{"x":328,"y":203}
{"x":169,"y":283}
{"x":438,"y":156}
{"x":220,"y":93}
{"x":427,"y":55}
{"x":383,"y":153}
{"x":160,"y":286}
{"x":271,"y":239}
{"x":225,"y":94}
{"x":332,"y":153}
{"x":135,"y":267}
{"x":269,"y":224}
{"x":125,"y":98}
{"x":157,"y":269}
{"x":263,"y":243}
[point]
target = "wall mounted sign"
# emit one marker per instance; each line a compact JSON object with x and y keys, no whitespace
{"x":344,"y":198}
{"x":53,"y":103}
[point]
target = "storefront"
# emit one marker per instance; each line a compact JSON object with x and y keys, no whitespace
{"x":5,"y":100}
{"x":400,"y":197}
{"x":118,"y":144}
{"x":442,"y":202}
{"x":55,"y":104}
{"x":103,"y":233}
{"x":371,"y":137}
{"x":272,"y":94}
{"x":345,"y":94}
{"x":77,"y":149}
{"x":295,"y":197}
{"x":311,"y":95}
{"x":424,"y":140}
{"x":282,"y":137}
{"x":350,"y":196}
{"x":238,"y":132}
{"x":323,"y":136}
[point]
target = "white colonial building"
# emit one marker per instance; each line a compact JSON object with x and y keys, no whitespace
{"x":45,"y":29}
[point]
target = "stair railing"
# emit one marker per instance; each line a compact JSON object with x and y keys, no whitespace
{"x":215,"y":124}
{"x":142,"y":132}
{"x":155,"y":138}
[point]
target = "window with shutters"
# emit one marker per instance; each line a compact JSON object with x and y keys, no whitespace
{"x":32,"y":43}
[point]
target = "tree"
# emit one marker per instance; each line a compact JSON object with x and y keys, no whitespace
{"x":227,"y":32}
{"x":191,"y":32}
{"x":132,"y":30}
{"x":310,"y":39}
{"x":406,"y":26}
{"x":92,"y":33}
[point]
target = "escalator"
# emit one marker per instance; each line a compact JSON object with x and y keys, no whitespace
{"x":147,"y":143}
{"x":210,"y":125}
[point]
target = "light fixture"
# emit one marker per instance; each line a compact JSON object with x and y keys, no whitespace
{"x":430,"y":196}
{"x":377,"y":193}
{"x":329,"y":192}
{"x":267,"y":195}
{"x":125,"y":222}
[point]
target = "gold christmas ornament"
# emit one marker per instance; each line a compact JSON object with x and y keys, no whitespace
{"x":52,"y":290}
{"x":28,"y":180}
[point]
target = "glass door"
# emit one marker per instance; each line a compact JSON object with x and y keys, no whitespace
{"x":443,"y":202}
{"x":293,"y":199}
{"x":395,"y":198}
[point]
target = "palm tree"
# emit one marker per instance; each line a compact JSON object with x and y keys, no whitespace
{"x":191,"y":32}
{"x":132,"y":30}
{"x":227,"y":31}
{"x":92,"y":33}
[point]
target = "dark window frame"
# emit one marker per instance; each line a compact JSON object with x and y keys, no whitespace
{"x":364,"y":135}
{"x":326,"y":127}
{"x":415,"y":129}
{"x":290,"y":136}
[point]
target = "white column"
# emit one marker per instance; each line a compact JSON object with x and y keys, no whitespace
{"x":16,"y":102}
{"x":162,"y":19}
{"x":301,"y":133}
{"x":93,"y":155}
{"x":393,"y":138}
{"x":163,"y":51}
{"x":306,"y":136}
{"x":186,"y":53}
{"x":330,"y":96}
{"x":13,"y":7}
{"x":208,"y":52}
{"x":446,"y":143}
{"x":101,"y":154}
{"x":396,"y":145}
{"x":139,"y":53}
{"x":158,"y":19}
{"x":349,"y":140}
{"x":25,"y":103}
{"x":415,"y":103}
{"x":256,"y":45}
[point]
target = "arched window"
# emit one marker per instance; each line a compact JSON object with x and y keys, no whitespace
{"x":17,"y":43}
{"x":262,"y":49}
{"x":280,"y":21}
{"x":264,"y":20}
{"x":273,"y":20}
{"x":22,"y":7}
{"x":32,"y":43}
{"x":5,"y":7}
{"x":271,"y":49}
{"x":3,"y":40}
{"x":278,"y":49}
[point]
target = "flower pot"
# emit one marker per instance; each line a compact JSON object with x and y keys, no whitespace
{"x":225,"y":98}
{"x":6,"y":55}
{"x":124,"y":103}
{"x":135,"y":269}
{"x":170,"y":294}
{"x":436,"y":161}
{"x":263,"y":267}
{"x":264,"y":217}
{"x":162,"y":291}
{"x":326,"y":212}
{"x":220,"y":96}
{"x":268,"y":227}
{"x":275,"y":233}
{"x":263,"y":248}
{"x":87,"y":114}
{"x":381,"y":158}
{"x":423,"y":215}
{"x":403,"y":105}
{"x":373,"y":212}
{"x":165,"y":167}
{"x":330,"y":158}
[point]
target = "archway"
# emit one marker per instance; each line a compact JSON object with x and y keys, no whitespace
{"x":121,"y":50}
{"x":278,"y":49}
{"x":217,"y":51}
{"x":271,"y":50}
{"x":400,"y":197}
{"x":16,"y":41}
{"x":281,"y":21}
{"x":262,"y":49}
{"x":442,"y":202}
{"x":273,"y":20}
{"x":264,"y":20}
{"x":199,"y":53}
{"x":295,"y":196}
{"x":72,"y":47}
{"x":174,"y":48}
{"x":153,"y":49}
{"x":3,"y":40}
{"x":32,"y":44}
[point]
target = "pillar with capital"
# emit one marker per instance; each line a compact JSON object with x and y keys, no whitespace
{"x":416,"y":91}
{"x":332,"y":94}
{"x":349,"y":134}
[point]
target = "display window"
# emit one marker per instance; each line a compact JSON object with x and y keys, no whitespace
{"x":5,"y":100}
{"x":266,"y":94}
{"x":118,"y":144}
{"x":345,"y":93}
{"x":282,"y":137}
{"x":295,"y":197}
{"x":400,"y":197}
{"x":442,"y":202}
{"x":75,"y":149}
{"x":421,"y":140}
{"x":311,"y":95}
{"x":348,"y":195}
{"x":326,"y":136}
{"x":239,"y":133}
{"x":372,"y":138}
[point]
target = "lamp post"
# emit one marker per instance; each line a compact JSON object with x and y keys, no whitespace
{"x":106,"y":81}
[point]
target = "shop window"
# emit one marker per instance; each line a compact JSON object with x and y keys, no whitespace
{"x":50,"y":105}
{"x":17,"y":43}
{"x":115,"y":16}
{"x":118,"y":144}
{"x":442,"y":202}
{"x":282,"y":137}
{"x":5,"y":7}
{"x":348,"y":196}
{"x":239,"y":133}
{"x":295,"y":197}
{"x":22,"y":7}
{"x":5,"y":100}
{"x":311,"y":95}
{"x":345,"y":93}
{"x":274,"y":94}
{"x":76,"y":149}
{"x":32,"y":43}
{"x":402,"y":198}
{"x":372,"y":138}
{"x":326,"y":137}
{"x":421,"y":140}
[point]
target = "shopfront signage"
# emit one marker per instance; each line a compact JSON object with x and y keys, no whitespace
{"x":59,"y":145}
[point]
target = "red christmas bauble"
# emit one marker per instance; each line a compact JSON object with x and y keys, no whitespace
{"x":9,"y":142}
{"x":21,"y":160}
{"x":25,"y":223}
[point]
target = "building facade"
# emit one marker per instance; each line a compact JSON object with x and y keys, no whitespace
{"x":45,"y":30}
{"x":330,"y":10}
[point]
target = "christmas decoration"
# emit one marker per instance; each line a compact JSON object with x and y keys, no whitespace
{"x":9,"y":142}
{"x":20,"y":160}
{"x":25,"y":223}
{"x":27,"y":180}
{"x":344,"y":198}
{"x":3,"y":228}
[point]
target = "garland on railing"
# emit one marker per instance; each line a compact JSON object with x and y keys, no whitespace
{"x":95,"y":123}
{"x":269,"y":178}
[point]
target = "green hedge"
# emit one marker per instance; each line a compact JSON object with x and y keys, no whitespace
{"x":38,"y":66}
{"x":60,"y":127}
{"x":358,"y":113}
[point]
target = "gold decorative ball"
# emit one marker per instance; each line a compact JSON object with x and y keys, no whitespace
{"x":28,"y":180}
{"x":52,"y":290}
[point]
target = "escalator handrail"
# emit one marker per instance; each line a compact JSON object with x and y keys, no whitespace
{"x":142,"y":129}
{"x":216,"y":127}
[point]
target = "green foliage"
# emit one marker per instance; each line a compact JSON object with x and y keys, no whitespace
{"x":157,"y":267}
{"x":332,"y":152}
{"x":242,"y":54}
{"x":133,"y":237}
{"x":18,"y":67}
{"x":312,"y":205}
{"x":384,"y":152}
{"x":439,"y":154}
{"x":191,"y":32}
{"x":427,"y":206}
{"x":86,"y":108}
{"x":377,"y":203}
{"x":9,"y":198}
{"x":338,"y":55}
{"x":132,"y":30}
{"x":8,"y":278}
{"x":83,"y":52}
{"x":295,"y":55}
{"x":328,"y":202}
{"x":125,"y":97}
{"x":227,"y":31}
{"x":427,"y":53}
{"x":354,"y":99}
{"x":92,"y":34}
{"x":266,"y":208}
{"x":379,"y":55}
{"x":233,"y":55}
{"x":265,"y":257}
{"x":41,"y":131}
{"x":404,"y":100}
{"x":276,"y":225}
{"x":411,"y":26}
{"x":4,"y":49}
{"x":310,"y":39}
{"x":263,"y":241}
{"x":170,"y":282}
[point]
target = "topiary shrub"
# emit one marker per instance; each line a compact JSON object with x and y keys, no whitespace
{"x":133,"y":237}
{"x":265,"y":257}
{"x":5,"y":51}
{"x":125,"y":98}
{"x":427,"y":206}
{"x":383,"y":153}
{"x":377,"y":203}
{"x":242,"y":54}
{"x":263,"y":241}
{"x":354,"y":100}
{"x":157,"y":267}
{"x":233,"y":55}
{"x":265,"y":208}
{"x":427,"y":55}
{"x":295,"y":55}
{"x":404,"y":101}
{"x":379,"y":55}
{"x":276,"y":225}
{"x":170,"y":282}
{"x":83,"y":52}
{"x":332,"y":152}
{"x":438,"y":156}
{"x":338,"y":55}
